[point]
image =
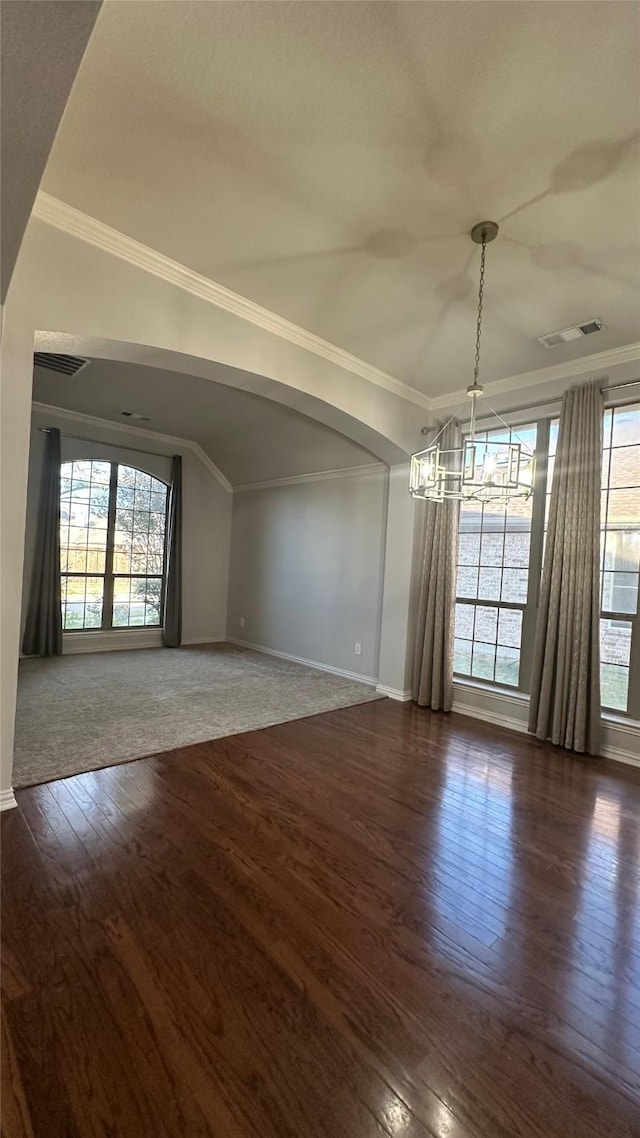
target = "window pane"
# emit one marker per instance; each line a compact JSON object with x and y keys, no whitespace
{"x":614,"y":687}
{"x":469,"y":549}
{"x":136,"y":601}
{"x":467,"y":585}
{"x":84,"y":506}
{"x":486,"y":627}
{"x":464,"y":621}
{"x":625,"y":466}
{"x":462,"y":657}
{"x":620,"y":592}
{"x":483,"y":663}
{"x":615,"y":641}
{"x":626,"y":426}
{"x":508,"y":666}
{"x":622,"y":551}
{"x":623,"y":508}
{"x":81,"y":601}
{"x":470,"y":516}
{"x":138,"y":543}
{"x":516,"y":549}
{"x":489,"y":582}
{"x":497,"y":539}
{"x":514,"y":585}
{"x":510,"y":628}
{"x":139,"y":537}
{"x":492,"y":549}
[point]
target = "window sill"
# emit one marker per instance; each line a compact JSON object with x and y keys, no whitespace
{"x":621,"y":722}
{"x":109,"y":632}
{"x":490,"y":689}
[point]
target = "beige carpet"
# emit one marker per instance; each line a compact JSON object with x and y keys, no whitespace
{"x":78,"y":713}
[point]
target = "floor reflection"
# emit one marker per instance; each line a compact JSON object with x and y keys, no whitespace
{"x":473,"y":854}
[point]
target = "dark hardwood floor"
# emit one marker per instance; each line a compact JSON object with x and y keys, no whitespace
{"x":375,"y":922}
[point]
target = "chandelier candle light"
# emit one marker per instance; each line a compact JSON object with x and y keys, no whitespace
{"x":486,"y":469}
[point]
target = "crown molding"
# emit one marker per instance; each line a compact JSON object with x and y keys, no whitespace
{"x":77,"y":224}
{"x":316,"y":476}
{"x":600,"y":362}
{"x":140,"y":433}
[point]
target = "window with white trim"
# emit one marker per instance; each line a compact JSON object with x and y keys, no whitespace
{"x":112,"y":546}
{"x":500,"y":564}
{"x":493,"y":593}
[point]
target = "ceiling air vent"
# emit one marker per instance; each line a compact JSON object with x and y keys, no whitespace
{"x":575,"y":332}
{"x":65,"y":365}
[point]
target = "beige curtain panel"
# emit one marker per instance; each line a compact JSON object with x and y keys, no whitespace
{"x":433,"y":663}
{"x":565,"y":682}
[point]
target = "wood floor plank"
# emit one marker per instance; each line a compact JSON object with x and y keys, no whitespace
{"x":371,"y":922}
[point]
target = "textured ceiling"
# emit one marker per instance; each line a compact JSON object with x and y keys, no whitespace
{"x":44,"y":40}
{"x":249,"y":438}
{"x":327,"y":160}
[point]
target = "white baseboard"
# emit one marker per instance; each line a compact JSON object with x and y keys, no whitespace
{"x":369,"y":680}
{"x":394,"y":693}
{"x":487,"y":714}
{"x":620,"y":756}
{"x":203,"y":640}
{"x":7,"y":800}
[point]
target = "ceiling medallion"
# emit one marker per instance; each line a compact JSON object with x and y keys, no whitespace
{"x":488,"y":468}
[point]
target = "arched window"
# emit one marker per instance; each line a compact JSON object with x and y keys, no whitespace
{"x":112,"y":546}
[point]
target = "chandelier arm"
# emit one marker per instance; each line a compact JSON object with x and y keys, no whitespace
{"x":505,"y":424}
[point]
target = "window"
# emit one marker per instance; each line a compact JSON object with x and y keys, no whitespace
{"x":112,"y":546}
{"x":500,"y":564}
{"x":493,"y":605}
{"x":620,"y":552}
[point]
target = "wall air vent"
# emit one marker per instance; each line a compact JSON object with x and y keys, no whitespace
{"x":65,"y":365}
{"x":575,"y":332}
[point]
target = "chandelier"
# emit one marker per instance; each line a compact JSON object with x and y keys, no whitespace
{"x":485,"y":468}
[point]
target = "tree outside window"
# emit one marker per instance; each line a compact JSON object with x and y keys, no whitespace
{"x":112,"y":538}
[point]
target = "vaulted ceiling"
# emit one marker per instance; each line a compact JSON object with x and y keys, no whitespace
{"x":249,"y":438}
{"x":327,"y":160}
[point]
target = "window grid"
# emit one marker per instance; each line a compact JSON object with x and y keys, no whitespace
{"x":620,"y":560}
{"x":492,"y":592}
{"x":112,"y":532}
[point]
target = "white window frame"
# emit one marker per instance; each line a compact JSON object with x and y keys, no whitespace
{"x":109,"y":575}
{"x":530,"y":607}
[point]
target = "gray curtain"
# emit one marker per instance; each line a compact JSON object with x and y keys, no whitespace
{"x":172,"y":630}
{"x":433,"y":662}
{"x":565,"y":682}
{"x":43,"y":630}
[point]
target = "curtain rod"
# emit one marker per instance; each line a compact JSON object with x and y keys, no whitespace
{"x":550,"y":402}
{"x":100,"y":442}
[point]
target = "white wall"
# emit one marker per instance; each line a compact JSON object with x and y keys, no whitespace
{"x":153,"y":313}
{"x":307,"y":569}
{"x":206,"y":538}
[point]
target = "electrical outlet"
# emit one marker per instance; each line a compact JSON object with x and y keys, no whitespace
{"x":241,"y":622}
{"x":358,"y":649}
